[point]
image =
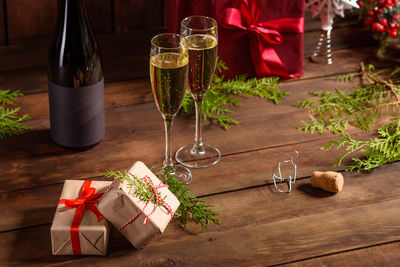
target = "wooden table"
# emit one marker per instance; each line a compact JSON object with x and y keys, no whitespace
{"x":358,"y":226}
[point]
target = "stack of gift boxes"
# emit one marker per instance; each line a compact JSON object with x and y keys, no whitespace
{"x":81,"y":225}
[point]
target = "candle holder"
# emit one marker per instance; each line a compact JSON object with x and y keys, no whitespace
{"x":323,"y":51}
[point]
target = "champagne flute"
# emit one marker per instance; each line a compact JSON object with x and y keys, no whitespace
{"x":199,"y":37}
{"x":168,"y":76}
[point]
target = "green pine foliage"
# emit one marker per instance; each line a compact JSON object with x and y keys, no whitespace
{"x":334,"y":112}
{"x":10,"y":120}
{"x":375,"y":98}
{"x":137,"y":187}
{"x":384,"y":148}
{"x":191,"y":207}
{"x":223,"y":95}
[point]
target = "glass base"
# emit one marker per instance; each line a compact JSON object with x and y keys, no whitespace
{"x":182,"y":174}
{"x":198,"y":159}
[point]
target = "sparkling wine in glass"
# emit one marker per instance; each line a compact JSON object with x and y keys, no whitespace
{"x":168,"y":75}
{"x":199,"y":37}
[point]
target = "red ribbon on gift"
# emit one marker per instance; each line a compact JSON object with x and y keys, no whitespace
{"x":86,"y":200}
{"x":243,"y":18}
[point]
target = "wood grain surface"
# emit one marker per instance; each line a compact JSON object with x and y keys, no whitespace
{"x":2,"y":25}
{"x":27,"y":19}
{"x":138,"y":14}
{"x":260,"y":227}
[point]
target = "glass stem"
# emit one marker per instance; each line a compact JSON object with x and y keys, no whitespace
{"x":198,"y":143}
{"x":168,"y":133}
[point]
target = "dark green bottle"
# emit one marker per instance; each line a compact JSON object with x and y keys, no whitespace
{"x":75,"y":79}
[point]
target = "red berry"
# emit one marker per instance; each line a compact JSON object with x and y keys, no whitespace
{"x":360,"y":4}
{"x":379,"y":11}
{"x":377,"y":27}
{"x":395,"y":17}
{"x":393,"y":33}
{"x":370,"y":13}
{"x":384,"y":22}
{"x":381,"y":3}
{"x":368,"y":21}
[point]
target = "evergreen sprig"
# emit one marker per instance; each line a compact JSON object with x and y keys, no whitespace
{"x":377,"y":151}
{"x":10,"y":120}
{"x":377,"y":96}
{"x":137,"y":187}
{"x":224,"y":94}
{"x":334,"y":112}
{"x":190,"y":208}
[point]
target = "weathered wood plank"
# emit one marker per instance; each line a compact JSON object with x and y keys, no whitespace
{"x":276,"y":242}
{"x":99,"y":12}
{"x":227,"y":175}
{"x":2,"y":26}
{"x":113,"y":46}
{"x":34,"y":80}
{"x":28,"y":19}
{"x":259,"y":225}
{"x":387,"y":255}
{"x":138,"y":14}
{"x":139,"y":91}
{"x":139,"y":130}
{"x":136,"y":42}
{"x":39,"y":22}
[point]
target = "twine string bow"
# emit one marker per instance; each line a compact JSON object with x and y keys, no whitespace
{"x":160,"y":202}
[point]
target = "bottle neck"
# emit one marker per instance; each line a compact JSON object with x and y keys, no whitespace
{"x":72,"y":6}
{"x":72,"y":11}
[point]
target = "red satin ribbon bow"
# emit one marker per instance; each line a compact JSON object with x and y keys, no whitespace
{"x":243,"y":18}
{"x":159,"y":199}
{"x":84,"y":201}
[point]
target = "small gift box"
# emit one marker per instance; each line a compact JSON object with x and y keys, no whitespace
{"x":257,"y":38}
{"x":78,"y":227}
{"x":137,"y":220}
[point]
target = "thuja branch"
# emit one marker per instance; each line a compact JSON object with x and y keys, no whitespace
{"x":378,"y":80}
{"x":136,"y":186}
{"x":191,"y":207}
{"x":377,"y":96}
{"x":11,"y":123}
{"x":226,"y":94}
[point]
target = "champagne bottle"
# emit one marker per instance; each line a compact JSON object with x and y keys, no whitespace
{"x":75,"y":79}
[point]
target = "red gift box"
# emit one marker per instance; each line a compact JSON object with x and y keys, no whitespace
{"x":257,"y":38}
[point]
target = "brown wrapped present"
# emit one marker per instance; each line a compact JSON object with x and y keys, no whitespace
{"x":139,"y":221}
{"x":78,"y":227}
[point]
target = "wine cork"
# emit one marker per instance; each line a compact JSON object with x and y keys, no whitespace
{"x":328,"y":181}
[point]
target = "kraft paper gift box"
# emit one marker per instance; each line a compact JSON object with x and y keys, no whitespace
{"x":77,"y":233}
{"x":129,"y":214}
{"x":255,"y":37}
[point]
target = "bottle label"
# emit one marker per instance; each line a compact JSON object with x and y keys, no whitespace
{"x":77,"y":114}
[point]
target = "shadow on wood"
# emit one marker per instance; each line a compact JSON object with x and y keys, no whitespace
{"x":314,"y":192}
